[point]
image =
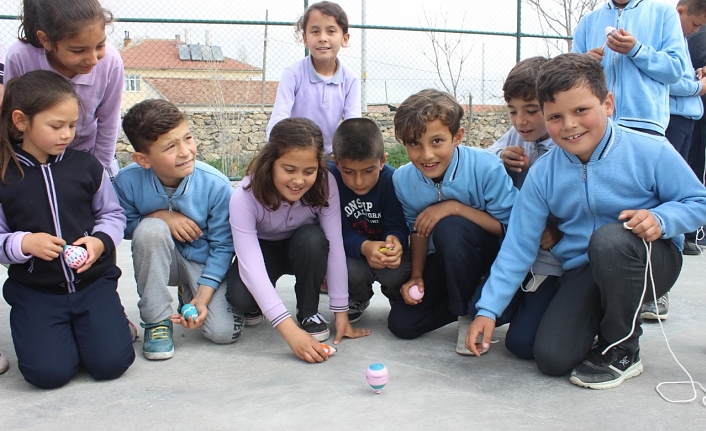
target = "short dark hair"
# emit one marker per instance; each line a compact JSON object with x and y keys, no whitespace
{"x":693,"y":7}
{"x":325,"y":8}
{"x":290,"y":133}
{"x":521,"y":82}
{"x":358,"y":139}
{"x":567,"y":71}
{"x":146,"y":121}
{"x":59,"y":19}
{"x":423,"y":107}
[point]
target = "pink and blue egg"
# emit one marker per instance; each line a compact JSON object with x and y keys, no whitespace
{"x":377,"y":376}
{"x":189,"y":311}
{"x":75,"y":256}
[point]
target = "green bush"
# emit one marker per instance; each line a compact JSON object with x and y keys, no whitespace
{"x":397,"y":156}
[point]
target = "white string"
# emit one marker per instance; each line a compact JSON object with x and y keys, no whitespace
{"x":648,"y":268}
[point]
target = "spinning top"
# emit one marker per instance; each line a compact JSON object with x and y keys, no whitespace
{"x":330,"y":350}
{"x":189,"y":310}
{"x":376,"y":375}
{"x":415,"y":293}
{"x":75,"y":256}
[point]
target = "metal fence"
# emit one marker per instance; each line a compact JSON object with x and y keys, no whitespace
{"x":247,"y":45}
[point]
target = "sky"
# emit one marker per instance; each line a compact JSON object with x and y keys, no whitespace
{"x":398,"y":63}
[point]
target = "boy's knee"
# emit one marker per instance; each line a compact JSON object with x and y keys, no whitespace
{"x":311,"y":237}
{"x":398,"y":329}
{"x":520,"y":347}
{"x":550,"y":361}
{"x":48,"y":376}
{"x":610,"y":239}
{"x":227,"y":331}
{"x":151,"y":231}
{"x":110,"y":368}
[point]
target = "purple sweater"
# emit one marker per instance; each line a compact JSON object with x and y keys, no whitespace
{"x":100,"y":91}
{"x":303,"y":93}
{"x":251,"y":221}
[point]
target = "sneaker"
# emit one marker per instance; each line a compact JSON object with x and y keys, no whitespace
{"x":355,"y":310}
{"x":158,"y":342}
{"x":324,"y":287}
{"x":316,"y":326}
{"x":4,"y":363}
{"x":690,"y":249}
{"x":650,"y":309}
{"x":607,"y":371}
{"x":133,"y":330}
{"x":463,"y":323}
{"x":252,"y":319}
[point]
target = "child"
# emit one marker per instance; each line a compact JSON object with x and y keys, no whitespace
{"x":375,"y":233}
{"x":68,"y":37}
{"x":52,"y":196}
{"x":457,"y":201}
{"x":620,"y":197}
{"x":319,"y":87}
{"x":286,"y":219}
{"x":177,"y":218}
{"x":641,"y":58}
{"x":4,"y":364}
{"x":527,"y":140}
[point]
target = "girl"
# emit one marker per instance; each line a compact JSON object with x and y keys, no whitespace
{"x":51,"y":196}
{"x":4,"y":364}
{"x":319,"y":87}
{"x":286,"y":219}
{"x":68,"y":37}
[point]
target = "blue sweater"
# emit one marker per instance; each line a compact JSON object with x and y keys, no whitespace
{"x":475,"y":177}
{"x":372,"y":216}
{"x":640,"y":79}
{"x":627,"y":170}
{"x":684,"y":97}
{"x":202,"y":196}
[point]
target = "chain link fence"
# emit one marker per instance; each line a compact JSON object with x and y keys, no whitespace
{"x":221,"y":61}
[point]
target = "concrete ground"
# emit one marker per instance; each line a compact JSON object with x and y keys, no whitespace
{"x":257,"y":383}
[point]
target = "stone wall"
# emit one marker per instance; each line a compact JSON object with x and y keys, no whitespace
{"x":243,"y":133}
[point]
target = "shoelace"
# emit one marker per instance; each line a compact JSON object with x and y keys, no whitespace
{"x":159,"y":333}
{"x":318,"y":317}
{"x":663,"y":300}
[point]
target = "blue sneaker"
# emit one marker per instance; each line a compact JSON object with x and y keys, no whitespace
{"x":158,"y":342}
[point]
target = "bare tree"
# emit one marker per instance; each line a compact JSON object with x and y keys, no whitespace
{"x":447,"y":54}
{"x":560,"y":17}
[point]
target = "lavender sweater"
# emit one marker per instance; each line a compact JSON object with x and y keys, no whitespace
{"x":303,"y":93}
{"x":251,"y":221}
{"x":100,"y":92}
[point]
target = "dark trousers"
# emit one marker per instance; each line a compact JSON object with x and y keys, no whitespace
{"x":603,"y":298}
{"x":464,"y":253}
{"x":679,"y":133}
{"x":304,"y":255}
{"x":53,"y":334}
{"x":697,"y":151}
{"x":361,"y":278}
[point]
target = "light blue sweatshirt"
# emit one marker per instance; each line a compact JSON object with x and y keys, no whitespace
{"x":684,"y":99}
{"x":474,"y":177}
{"x":640,"y":79}
{"x":627,"y":170}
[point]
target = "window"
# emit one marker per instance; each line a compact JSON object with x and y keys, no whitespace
{"x":132,"y":83}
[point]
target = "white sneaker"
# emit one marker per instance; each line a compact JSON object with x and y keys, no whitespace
{"x":4,"y":363}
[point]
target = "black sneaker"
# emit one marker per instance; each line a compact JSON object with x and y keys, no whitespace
{"x":607,"y":371}
{"x":653,"y":311}
{"x":691,"y":249}
{"x":355,"y":310}
{"x":252,"y":319}
{"x":316,"y":326}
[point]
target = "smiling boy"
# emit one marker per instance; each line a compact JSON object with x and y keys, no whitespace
{"x":457,"y":200}
{"x":615,"y":192}
{"x":177,"y":219}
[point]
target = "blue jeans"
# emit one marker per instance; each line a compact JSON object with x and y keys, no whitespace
{"x":464,"y":253}
{"x":603,"y":298}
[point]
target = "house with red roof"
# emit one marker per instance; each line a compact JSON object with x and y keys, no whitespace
{"x":192,"y":76}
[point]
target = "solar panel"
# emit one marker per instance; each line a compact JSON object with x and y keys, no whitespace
{"x":195,"y":52}
{"x":217,"y":53}
{"x":184,"y":53}
{"x":207,"y":53}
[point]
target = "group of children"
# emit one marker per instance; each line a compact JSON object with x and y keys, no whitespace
{"x":448,"y":236}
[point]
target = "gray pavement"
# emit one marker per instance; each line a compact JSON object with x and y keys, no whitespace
{"x":257,"y":383}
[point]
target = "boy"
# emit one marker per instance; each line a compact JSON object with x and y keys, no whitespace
{"x":641,"y":58}
{"x":457,"y":200}
{"x":615,"y":193}
{"x":526,"y":141}
{"x":177,"y":218}
{"x":375,"y":233}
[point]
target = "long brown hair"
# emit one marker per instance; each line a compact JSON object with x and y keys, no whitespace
{"x":59,"y":19}
{"x":31,"y":94}
{"x":288,"y":134}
